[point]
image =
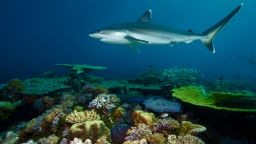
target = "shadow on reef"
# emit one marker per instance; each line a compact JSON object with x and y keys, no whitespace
{"x":157,"y":107}
{"x":224,"y":126}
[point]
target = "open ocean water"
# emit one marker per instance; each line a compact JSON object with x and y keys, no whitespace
{"x":37,"y":35}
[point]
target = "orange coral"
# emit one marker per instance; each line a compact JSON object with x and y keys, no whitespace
{"x":118,"y":114}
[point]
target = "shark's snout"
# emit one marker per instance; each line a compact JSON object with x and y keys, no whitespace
{"x":95,"y":34}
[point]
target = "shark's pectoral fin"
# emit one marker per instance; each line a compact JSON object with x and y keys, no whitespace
{"x":134,"y":47}
{"x":189,"y":42}
{"x":146,"y":17}
{"x":134,"y":40}
{"x":171,"y":44}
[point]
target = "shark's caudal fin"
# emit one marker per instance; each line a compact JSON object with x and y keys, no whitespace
{"x":210,"y":33}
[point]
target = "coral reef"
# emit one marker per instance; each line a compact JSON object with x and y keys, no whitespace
{"x":44,"y":86}
{"x":79,"y":117}
{"x":81,"y":68}
{"x":141,"y":117}
{"x":196,"y":95}
{"x":118,"y":114}
{"x":118,"y":133}
{"x":187,"y":139}
{"x":166,"y":126}
{"x":10,"y":138}
{"x":162,"y":105}
{"x":105,"y":103}
{"x":15,"y":85}
{"x":138,"y":133}
{"x":188,"y":128}
{"x":174,"y":76}
{"x":89,"y":130}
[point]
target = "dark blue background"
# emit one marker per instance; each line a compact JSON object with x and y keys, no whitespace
{"x":37,"y":34}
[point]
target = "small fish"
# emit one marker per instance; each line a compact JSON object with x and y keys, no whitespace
{"x":164,"y":115}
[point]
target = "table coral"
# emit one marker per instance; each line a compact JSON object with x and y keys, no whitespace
{"x":41,"y":86}
{"x":230,"y":101}
{"x":81,"y":68}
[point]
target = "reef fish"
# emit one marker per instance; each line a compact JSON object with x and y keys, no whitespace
{"x":143,"y":31}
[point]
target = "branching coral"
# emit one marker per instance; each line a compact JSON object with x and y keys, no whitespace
{"x":52,"y":139}
{"x":118,"y":114}
{"x":187,"y":139}
{"x":142,"y":141}
{"x":105,"y":102}
{"x":138,"y":133}
{"x":166,"y":126}
{"x":79,"y":117}
{"x":156,"y":138}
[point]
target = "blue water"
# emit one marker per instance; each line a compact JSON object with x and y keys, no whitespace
{"x":35,"y":35}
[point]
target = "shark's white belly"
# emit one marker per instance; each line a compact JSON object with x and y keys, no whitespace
{"x":164,"y":38}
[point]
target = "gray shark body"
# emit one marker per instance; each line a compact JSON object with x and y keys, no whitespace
{"x":143,"y":31}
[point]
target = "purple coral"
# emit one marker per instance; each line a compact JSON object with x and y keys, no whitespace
{"x":138,"y":133}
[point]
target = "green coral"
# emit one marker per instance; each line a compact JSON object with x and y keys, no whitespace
{"x":77,"y":68}
{"x":40,"y":86}
{"x":9,"y":106}
{"x":231,"y":101}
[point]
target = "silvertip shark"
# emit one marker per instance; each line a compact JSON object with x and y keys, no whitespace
{"x":143,"y":31}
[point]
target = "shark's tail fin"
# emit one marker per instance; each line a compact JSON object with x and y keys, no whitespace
{"x":210,"y":33}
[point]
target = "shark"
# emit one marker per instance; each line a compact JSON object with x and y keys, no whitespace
{"x":143,"y":31}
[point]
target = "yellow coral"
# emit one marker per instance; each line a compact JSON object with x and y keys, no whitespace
{"x":50,"y":117}
{"x":92,"y":130}
{"x":142,"y":141}
{"x":79,"y":117}
{"x":156,"y":138}
{"x":118,"y":114}
{"x":187,"y":139}
{"x":30,"y":125}
{"x":190,"y":128}
{"x":102,"y":140}
{"x":140,"y":116}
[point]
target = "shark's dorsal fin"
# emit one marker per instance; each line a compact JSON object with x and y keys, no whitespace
{"x":146,"y":17}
